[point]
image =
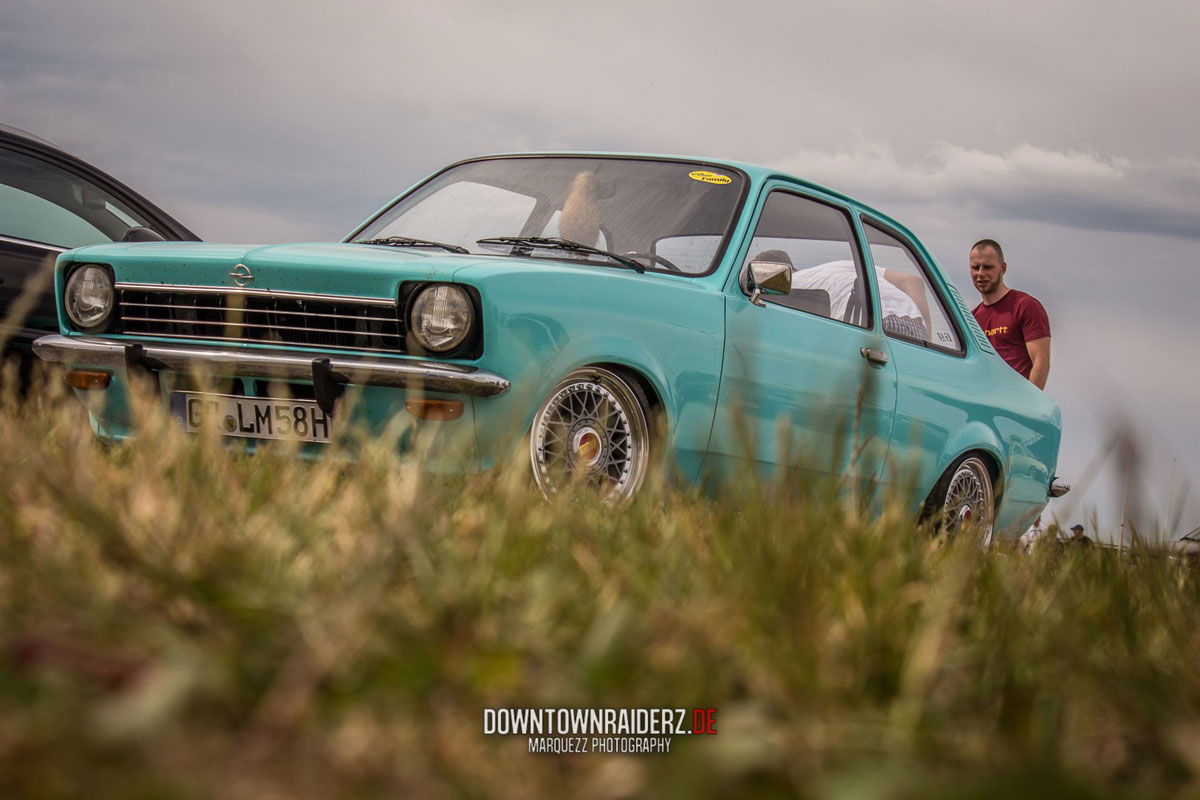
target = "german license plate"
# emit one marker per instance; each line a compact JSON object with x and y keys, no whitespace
{"x":251,"y":417}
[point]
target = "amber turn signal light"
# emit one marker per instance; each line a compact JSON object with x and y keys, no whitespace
{"x":87,"y":379}
{"x":440,"y":410}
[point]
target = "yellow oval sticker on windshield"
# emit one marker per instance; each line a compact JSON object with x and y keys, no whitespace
{"x":704,"y":176}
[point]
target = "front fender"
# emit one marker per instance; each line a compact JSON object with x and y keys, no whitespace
{"x":540,"y":325}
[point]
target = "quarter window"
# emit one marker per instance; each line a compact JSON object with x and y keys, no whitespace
{"x":912,"y":308}
{"x":817,"y":240}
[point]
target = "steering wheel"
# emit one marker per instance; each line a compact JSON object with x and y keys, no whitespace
{"x":653,"y":258}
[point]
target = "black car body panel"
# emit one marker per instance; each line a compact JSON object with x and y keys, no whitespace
{"x":34,"y":173}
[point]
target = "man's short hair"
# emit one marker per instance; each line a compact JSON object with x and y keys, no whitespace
{"x":990,"y":243}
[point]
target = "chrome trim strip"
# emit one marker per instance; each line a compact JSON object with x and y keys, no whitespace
{"x":281,"y":364}
{"x":40,"y":245}
{"x":332,"y":298}
{"x":179,"y":307}
{"x":211,"y":337}
{"x":256,"y":326}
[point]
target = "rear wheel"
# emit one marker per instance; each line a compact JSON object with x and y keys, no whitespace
{"x":592,"y":429}
{"x":963,"y":502}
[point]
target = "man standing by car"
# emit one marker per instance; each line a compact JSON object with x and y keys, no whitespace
{"x":1015,"y":322}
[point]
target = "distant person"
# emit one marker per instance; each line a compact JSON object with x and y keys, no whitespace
{"x":1030,"y":536}
{"x":1077,"y":537}
{"x":1015,"y":322}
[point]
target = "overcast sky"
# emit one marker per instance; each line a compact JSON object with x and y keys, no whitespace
{"x":1069,"y":131}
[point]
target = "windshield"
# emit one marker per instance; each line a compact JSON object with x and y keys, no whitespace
{"x":676,"y":215}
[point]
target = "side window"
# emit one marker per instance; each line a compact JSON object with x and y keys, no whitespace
{"x":816,"y":239}
{"x":912,"y":308}
{"x":41,"y":202}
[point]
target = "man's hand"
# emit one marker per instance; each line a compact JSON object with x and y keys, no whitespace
{"x":1039,"y":353}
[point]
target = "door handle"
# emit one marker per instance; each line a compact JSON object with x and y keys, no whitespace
{"x":874,"y":356}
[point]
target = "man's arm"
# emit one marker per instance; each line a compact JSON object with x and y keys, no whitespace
{"x":1039,"y":353}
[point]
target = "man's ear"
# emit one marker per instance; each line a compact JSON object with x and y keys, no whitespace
{"x":1003,"y":267}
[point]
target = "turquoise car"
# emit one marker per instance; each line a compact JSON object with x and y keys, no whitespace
{"x":589,"y":308}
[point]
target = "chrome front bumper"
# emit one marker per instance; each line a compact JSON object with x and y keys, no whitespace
{"x":279,"y":364}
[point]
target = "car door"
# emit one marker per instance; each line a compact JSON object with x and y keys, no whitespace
{"x":807,"y":380}
{"x":938,"y":390}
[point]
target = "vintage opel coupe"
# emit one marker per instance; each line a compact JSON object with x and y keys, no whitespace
{"x":589,"y":308}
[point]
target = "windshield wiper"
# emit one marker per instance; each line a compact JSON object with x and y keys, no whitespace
{"x":554,"y":243}
{"x":404,"y":241}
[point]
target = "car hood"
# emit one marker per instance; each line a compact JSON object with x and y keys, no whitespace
{"x":344,"y":269}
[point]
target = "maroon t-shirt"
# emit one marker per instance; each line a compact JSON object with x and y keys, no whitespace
{"x":1009,"y":323}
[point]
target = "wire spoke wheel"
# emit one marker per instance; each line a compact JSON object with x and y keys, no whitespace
{"x":969,"y":506}
{"x":592,"y":430}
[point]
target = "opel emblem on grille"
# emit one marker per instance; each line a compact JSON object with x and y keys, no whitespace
{"x":241,"y":275}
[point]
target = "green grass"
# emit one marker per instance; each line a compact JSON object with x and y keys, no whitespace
{"x":178,"y":620}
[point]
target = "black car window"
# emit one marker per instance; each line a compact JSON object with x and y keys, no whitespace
{"x":913,"y":310}
{"x":41,"y":202}
{"x":818,"y":241}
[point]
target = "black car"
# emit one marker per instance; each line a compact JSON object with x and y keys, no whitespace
{"x":51,"y":201}
{"x":1187,"y":547}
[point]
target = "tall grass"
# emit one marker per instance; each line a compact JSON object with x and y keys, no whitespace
{"x":179,"y":620}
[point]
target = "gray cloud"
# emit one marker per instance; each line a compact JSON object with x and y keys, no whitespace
{"x":1076,"y":188}
{"x":1068,"y":130}
{"x":324,"y":111}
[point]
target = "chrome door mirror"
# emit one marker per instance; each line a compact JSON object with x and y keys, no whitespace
{"x":769,"y":277}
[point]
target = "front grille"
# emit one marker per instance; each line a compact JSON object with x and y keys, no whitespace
{"x":248,"y":315}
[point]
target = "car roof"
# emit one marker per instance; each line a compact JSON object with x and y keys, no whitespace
{"x":17,"y":133}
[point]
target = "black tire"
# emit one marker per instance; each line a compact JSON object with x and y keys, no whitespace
{"x":964,"y":499}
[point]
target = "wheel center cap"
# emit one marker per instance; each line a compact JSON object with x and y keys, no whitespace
{"x":587,"y":447}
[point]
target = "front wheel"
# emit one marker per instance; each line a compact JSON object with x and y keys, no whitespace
{"x":963,"y":502}
{"x":593,"y":428}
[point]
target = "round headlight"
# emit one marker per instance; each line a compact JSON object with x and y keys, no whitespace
{"x":89,"y":296}
{"x":441,"y":317}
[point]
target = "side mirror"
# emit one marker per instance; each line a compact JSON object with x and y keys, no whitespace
{"x":141,"y":234}
{"x":769,"y":277}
